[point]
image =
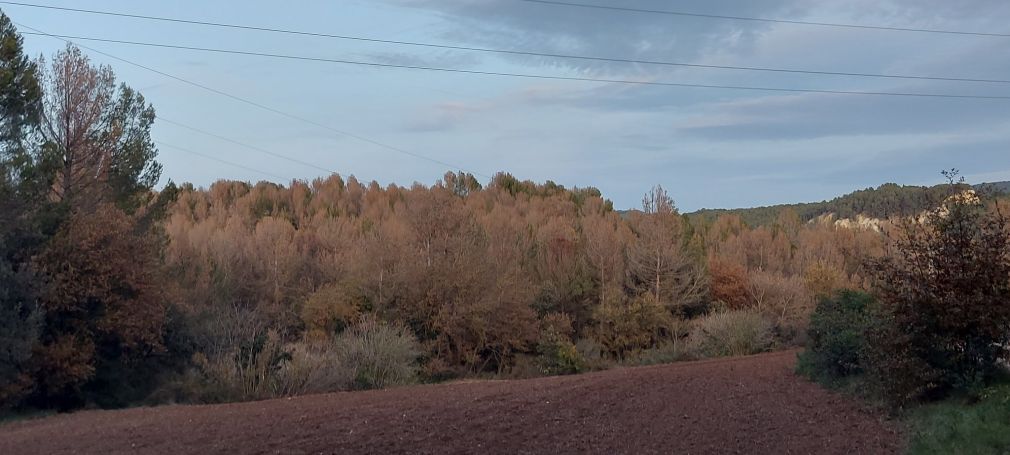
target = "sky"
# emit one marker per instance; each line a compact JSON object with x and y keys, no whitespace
{"x":710,"y":148}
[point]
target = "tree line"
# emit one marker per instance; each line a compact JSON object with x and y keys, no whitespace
{"x":886,"y":201}
{"x":515,"y":278}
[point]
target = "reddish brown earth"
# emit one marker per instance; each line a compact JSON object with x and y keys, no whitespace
{"x":743,"y":405}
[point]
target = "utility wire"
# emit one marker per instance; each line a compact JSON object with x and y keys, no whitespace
{"x":248,"y":146}
{"x":209,"y":157}
{"x":507,"y":51}
{"x":496,"y":73}
{"x":252,"y":103}
{"x":762,"y":19}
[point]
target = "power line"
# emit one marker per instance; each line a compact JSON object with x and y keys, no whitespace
{"x":209,"y":157}
{"x":762,"y":19}
{"x":507,"y":74}
{"x":506,"y":51}
{"x":253,"y":103}
{"x":248,"y":146}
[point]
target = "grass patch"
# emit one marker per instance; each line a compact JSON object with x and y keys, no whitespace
{"x":963,"y":426}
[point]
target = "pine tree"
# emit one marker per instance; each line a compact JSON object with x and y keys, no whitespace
{"x":20,"y":96}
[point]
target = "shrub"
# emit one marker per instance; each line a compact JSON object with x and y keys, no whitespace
{"x":592,"y":352}
{"x":297,"y":369}
{"x":559,"y":356}
{"x":783,"y":300}
{"x":379,"y":355}
{"x":247,"y":373}
{"x":731,"y":333}
{"x":667,"y":352}
{"x":312,"y":368}
{"x":837,"y":337}
{"x":557,"y":353}
{"x":524,"y":366}
{"x":626,"y":326}
{"x":436,"y":369}
{"x":945,"y":323}
{"x":368,"y":355}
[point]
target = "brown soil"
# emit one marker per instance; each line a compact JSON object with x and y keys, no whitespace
{"x":742,"y":405}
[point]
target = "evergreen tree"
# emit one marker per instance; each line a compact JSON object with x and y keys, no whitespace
{"x":21,"y":191}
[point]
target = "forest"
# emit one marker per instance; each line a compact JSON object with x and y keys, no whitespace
{"x":118,"y":292}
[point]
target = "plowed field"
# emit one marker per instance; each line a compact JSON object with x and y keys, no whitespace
{"x":744,"y":405}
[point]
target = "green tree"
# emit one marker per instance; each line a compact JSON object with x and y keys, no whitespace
{"x":22,"y":166}
{"x":133,"y":171}
{"x":22,"y":190}
{"x":461,"y":184}
{"x":20,"y":91}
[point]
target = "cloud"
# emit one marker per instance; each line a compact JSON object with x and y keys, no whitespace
{"x":546,"y":28}
{"x":429,"y":59}
{"x":818,"y":115}
{"x":444,"y":116}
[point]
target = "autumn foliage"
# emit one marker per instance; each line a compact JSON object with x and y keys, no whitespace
{"x":482,"y":276}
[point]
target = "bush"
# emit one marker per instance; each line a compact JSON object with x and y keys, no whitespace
{"x":557,"y":354}
{"x":379,"y":355}
{"x":247,"y":373}
{"x":625,"y":326}
{"x":837,"y":337}
{"x":668,"y":352}
{"x":783,"y":300}
{"x":368,"y":355}
{"x":592,"y":353}
{"x":312,"y":368}
{"x":731,"y":333}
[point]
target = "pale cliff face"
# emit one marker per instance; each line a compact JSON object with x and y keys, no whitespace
{"x":860,"y":222}
{"x":863,"y":223}
{"x":967,"y":197}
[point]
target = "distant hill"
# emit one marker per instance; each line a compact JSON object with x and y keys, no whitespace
{"x":999,"y":187}
{"x":884,"y":201}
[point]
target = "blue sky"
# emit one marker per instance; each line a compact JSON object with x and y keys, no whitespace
{"x":708,"y":147}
